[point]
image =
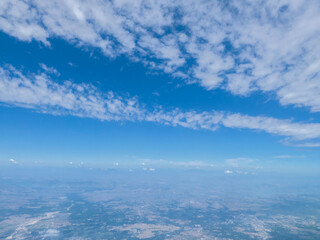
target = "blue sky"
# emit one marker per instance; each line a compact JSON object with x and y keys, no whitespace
{"x":208,"y":84}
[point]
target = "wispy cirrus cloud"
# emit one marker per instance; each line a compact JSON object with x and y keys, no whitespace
{"x":289,"y":156}
{"x":239,"y":162}
{"x":182,"y":164}
{"x":40,"y":92}
{"x":215,"y":119}
{"x":240,"y":46}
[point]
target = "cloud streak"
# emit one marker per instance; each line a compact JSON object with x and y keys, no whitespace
{"x":240,"y":46}
{"x":40,"y":92}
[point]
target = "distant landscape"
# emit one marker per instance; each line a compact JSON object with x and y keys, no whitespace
{"x":79,"y":203}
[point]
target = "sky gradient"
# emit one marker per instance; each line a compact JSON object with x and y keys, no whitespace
{"x":195,"y":84}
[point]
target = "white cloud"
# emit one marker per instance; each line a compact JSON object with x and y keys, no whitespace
{"x":282,"y":127}
{"x":306,"y":144}
{"x":189,"y":164}
{"x":241,"y":46}
{"x":180,"y":164}
{"x":39,"y":92}
{"x":228,"y":172}
{"x":289,"y":156}
{"x":215,"y":119}
{"x":20,"y":20}
{"x":194,"y":120}
{"x":49,"y":70}
{"x":13,"y":161}
{"x":239,"y":162}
